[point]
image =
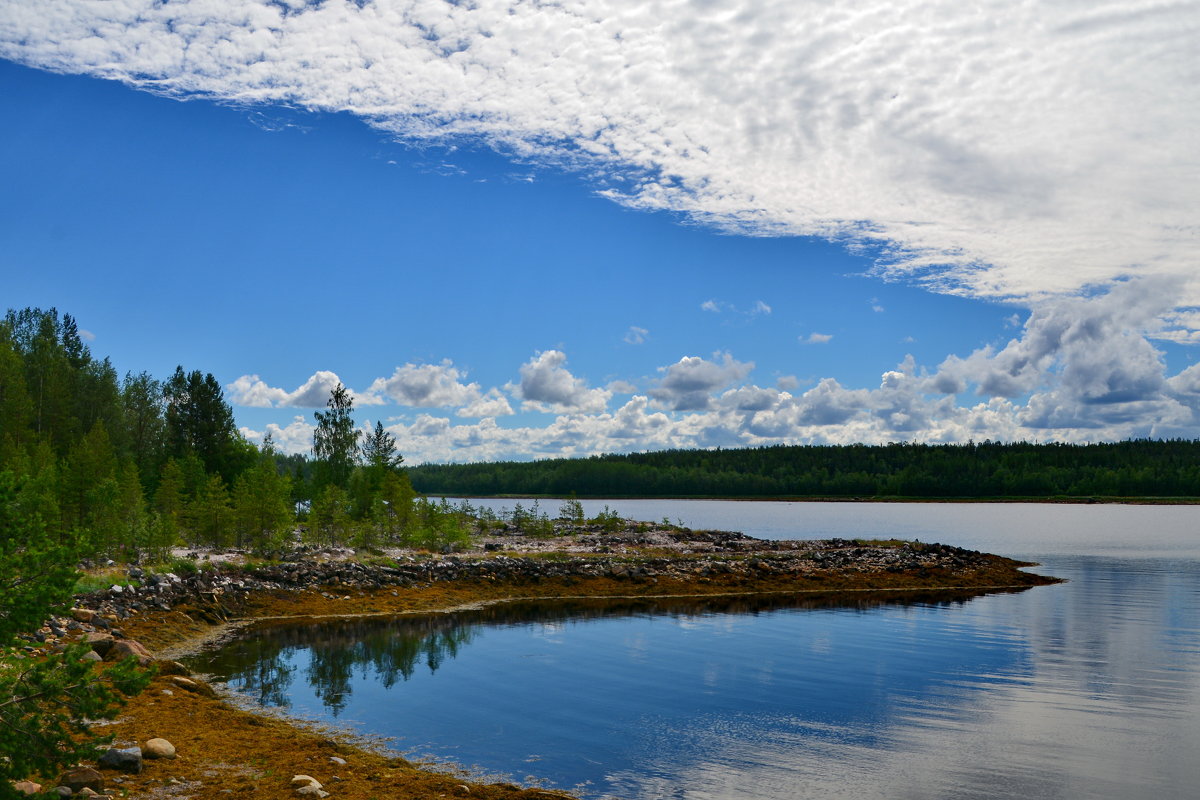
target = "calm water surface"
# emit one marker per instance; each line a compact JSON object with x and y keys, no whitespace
{"x":1087,"y":689}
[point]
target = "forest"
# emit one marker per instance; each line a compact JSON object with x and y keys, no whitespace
{"x":126,"y":468}
{"x":1141,"y":469}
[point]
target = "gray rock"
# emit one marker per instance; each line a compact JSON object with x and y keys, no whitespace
{"x":124,"y":759}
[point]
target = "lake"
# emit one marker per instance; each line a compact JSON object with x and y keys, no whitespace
{"x":1088,"y":689}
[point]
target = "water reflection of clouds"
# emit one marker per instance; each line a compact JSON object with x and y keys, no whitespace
{"x":1087,"y":689}
{"x":1094,"y":706}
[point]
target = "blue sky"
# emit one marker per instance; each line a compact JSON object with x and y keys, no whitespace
{"x":518,"y":256}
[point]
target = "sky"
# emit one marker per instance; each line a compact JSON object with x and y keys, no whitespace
{"x":524,"y":230}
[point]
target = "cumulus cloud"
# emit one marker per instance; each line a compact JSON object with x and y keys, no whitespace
{"x":1123,"y":391}
{"x":1089,"y":351}
{"x":295,"y":437}
{"x":547,"y":385}
{"x":817,"y":338}
{"x":428,"y":386}
{"x":491,"y":404}
{"x":688,"y":384}
{"x":993,"y":148}
{"x":253,"y":392}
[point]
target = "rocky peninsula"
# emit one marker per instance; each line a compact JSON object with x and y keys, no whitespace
{"x":182,"y":738}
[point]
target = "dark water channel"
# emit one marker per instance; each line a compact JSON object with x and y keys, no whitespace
{"x":1086,"y":689}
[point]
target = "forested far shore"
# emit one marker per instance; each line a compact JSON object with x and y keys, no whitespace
{"x":1139,"y":469}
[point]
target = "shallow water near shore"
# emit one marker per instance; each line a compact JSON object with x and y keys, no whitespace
{"x":1083,"y":689}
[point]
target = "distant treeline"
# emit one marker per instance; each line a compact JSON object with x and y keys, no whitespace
{"x":1130,"y":469}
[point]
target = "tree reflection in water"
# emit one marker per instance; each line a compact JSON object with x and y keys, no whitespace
{"x":262,"y":662}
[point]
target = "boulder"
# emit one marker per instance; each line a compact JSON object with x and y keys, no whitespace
{"x":124,"y":648}
{"x":26,"y":787}
{"x":158,"y":748}
{"x":124,"y":759}
{"x":83,"y":614}
{"x":82,"y":777}
{"x":100,"y":642}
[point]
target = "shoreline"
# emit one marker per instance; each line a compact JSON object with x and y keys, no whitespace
{"x":1062,"y":501}
{"x":224,"y":746}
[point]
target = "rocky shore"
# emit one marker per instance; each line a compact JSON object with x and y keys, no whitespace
{"x":179,"y":739}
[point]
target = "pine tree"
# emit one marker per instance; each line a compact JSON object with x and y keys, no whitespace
{"x":45,"y":703}
{"x":262,"y":509}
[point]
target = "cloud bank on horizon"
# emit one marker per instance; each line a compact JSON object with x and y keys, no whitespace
{"x":1082,"y":369}
{"x":1038,"y":153}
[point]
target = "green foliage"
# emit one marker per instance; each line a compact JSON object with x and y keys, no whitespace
{"x":335,"y":440}
{"x":37,"y":569}
{"x":532,"y":521}
{"x":1139,"y":468}
{"x":609,"y":520}
{"x":44,"y":702}
{"x":46,"y":705}
{"x":262,"y":511}
{"x":571,"y":511}
{"x":438,"y":527}
{"x":198,"y":421}
{"x":210,"y":515}
{"x":329,"y":519}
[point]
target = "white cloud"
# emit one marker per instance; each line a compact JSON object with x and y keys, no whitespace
{"x":1093,"y":351}
{"x":636,"y":335}
{"x":817,"y":338}
{"x":689,"y":383}
{"x":295,"y":437}
{"x":253,"y":392}
{"x":1079,"y":370}
{"x":428,"y":386}
{"x":492,"y":404}
{"x":996,"y":149}
{"x":547,"y":385}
